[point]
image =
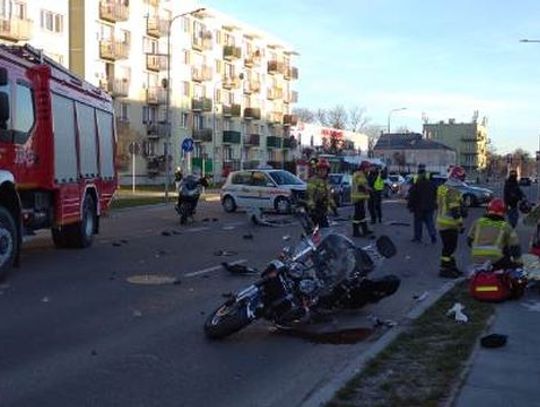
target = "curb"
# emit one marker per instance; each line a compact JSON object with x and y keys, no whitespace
{"x":323,"y":395}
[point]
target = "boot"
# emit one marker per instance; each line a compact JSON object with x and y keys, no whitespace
{"x":449,"y":269}
{"x":365,"y":230}
{"x":356,"y":230}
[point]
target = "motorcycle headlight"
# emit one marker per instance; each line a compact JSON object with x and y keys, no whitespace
{"x":394,"y":185}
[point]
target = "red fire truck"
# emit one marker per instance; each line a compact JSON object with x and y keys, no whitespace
{"x":57,"y":149}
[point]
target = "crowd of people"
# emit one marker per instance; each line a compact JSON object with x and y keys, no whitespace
{"x":491,"y":238}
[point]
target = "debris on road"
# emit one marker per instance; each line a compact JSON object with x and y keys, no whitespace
{"x":377,"y":322}
{"x":494,"y":341}
{"x":215,"y":219}
{"x":116,"y":244}
{"x":165,"y":233}
{"x":228,"y":228}
{"x":45,"y":299}
{"x":457,"y":311}
{"x":94,"y":352}
{"x":421,"y":297}
{"x":227,"y":295}
{"x":225,"y":253}
{"x":239,"y":269}
{"x":206,"y":220}
{"x":152,"y":279}
{"x":397,"y":223}
{"x":532,"y":306}
{"x":137,"y":314}
{"x":248,"y":236}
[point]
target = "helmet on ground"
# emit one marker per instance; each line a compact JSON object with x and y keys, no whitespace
{"x":457,"y":173}
{"x":525,"y":206}
{"x":323,"y":164}
{"x":364,"y":166}
{"x":496,"y":207}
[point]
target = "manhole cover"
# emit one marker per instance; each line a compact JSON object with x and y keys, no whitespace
{"x":152,"y":279}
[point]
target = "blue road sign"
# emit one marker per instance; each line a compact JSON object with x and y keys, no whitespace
{"x":187,"y":145}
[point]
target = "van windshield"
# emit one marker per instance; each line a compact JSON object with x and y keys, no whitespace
{"x":285,"y":178}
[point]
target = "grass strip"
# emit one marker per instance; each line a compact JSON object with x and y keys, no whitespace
{"x":121,"y":203}
{"x":421,"y":366}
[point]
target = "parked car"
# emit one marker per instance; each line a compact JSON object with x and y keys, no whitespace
{"x":392,"y":184}
{"x":265,"y":189}
{"x":340,"y":185}
{"x":525,"y":181}
{"x":472,"y":195}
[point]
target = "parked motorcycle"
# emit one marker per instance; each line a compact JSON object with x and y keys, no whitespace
{"x":189,"y":192}
{"x":325,"y":271}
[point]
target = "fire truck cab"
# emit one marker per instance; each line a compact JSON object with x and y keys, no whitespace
{"x":57,"y":149}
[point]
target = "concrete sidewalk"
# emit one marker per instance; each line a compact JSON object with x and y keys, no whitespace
{"x":508,"y":376}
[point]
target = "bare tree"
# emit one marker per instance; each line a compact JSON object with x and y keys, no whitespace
{"x":321,"y":116}
{"x":358,"y":120}
{"x":337,"y":117}
{"x":305,"y":115}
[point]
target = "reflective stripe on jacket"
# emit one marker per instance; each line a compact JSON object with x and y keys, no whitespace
{"x":319,"y":194}
{"x":489,"y":238}
{"x":449,"y":204}
{"x":360,"y":188}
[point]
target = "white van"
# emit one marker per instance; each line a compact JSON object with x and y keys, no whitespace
{"x":266,"y":189}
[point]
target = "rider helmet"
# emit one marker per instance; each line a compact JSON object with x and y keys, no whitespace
{"x":496,"y":207}
{"x":457,"y":173}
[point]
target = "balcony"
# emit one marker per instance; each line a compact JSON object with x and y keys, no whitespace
{"x":156,"y":95}
{"x":275,"y":118}
{"x":276,"y":67}
{"x":232,"y":110}
{"x":113,"y":11}
{"x":230,"y":82}
{"x":156,"y":63}
{"x":291,"y":97}
{"x":230,"y":52}
{"x":113,"y":50}
{"x":115,"y":87}
{"x":157,"y":26}
{"x":202,"y":41}
{"x":253,"y":59}
{"x":252,"y":86}
{"x":274,"y":93}
{"x":201,"y":73}
{"x":291,"y":73}
{"x":201,"y":104}
{"x":231,"y":137}
{"x":252,"y":113}
{"x":290,"y":120}
{"x":202,"y":135}
{"x":155,"y":131}
{"x":153,"y":3}
{"x":15,"y":29}
{"x":252,"y":140}
{"x":273,"y":142}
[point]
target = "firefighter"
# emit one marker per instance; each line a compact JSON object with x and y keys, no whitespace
{"x":450,"y":213}
{"x":319,"y":194}
{"x":376,"y":183}
{"x":493,"y":239}
{"x":360,"y":194}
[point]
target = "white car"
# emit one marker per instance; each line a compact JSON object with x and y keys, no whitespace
{"x":265,"y":189}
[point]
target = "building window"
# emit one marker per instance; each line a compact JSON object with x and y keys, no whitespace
{"x":184,"y":120}
{"x":124,"y":112}
{"x":186,"y":57}
{"x":52,"y":22}
{"x":186,"y":88}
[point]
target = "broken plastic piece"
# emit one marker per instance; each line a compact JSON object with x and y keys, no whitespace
{"x":421,"y":297}
{"x":457,"y":311}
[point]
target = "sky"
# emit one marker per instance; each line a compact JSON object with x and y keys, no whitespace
{"x":437,"y":58}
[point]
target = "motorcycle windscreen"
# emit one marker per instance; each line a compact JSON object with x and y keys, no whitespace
{"x":340,"y":260}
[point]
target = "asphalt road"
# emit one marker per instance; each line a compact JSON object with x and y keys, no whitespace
{"x":75,"y":332}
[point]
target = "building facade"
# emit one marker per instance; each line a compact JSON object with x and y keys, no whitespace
{"x":469,"y":140}
{"x":230,"y":85}
{"x":43,"y":25}
{"x":402,"y":152}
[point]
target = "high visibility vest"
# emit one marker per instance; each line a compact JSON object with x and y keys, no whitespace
{"x":318,"y":193}
{"x":379,"y":184}
{"x":448,"y":201}
{"x":359,"y":187}
{"x":489,"y":238}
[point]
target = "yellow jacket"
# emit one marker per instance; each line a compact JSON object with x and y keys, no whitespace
{"x":490,"y":238}
{"x":449,"y":208}
{"x":319,"y":194}
{"x":360,"y":187}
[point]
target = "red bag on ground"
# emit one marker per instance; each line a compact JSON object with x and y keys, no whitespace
{"x":489,"y":286}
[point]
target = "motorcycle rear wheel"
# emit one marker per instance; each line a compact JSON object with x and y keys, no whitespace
{"x":185,"y":209}
{"x":226,"y":320}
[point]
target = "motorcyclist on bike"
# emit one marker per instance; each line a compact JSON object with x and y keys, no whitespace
{"x":189,"y":190}
{"x":493,"y":239}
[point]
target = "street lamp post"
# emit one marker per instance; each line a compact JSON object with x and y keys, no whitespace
{"x":168,"y":99}
{"x":390,"y":114}
{"x":214,"y":129}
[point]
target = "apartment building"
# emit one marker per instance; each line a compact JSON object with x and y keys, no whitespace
{"x":230,"y":85}
{"x":44,"y":25}
{"x":469,"y":140}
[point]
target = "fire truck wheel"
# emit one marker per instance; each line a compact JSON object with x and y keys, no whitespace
{"x":83,"y":233}
{"x":8,"y":242}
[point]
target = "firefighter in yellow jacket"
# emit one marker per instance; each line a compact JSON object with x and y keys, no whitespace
{"x":319,"y":195}
{"x":360,"y":195}
{"x":493,"y":239}
{"x":450,"y":213}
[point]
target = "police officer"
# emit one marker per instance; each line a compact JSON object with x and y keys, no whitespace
{"x":450,"y":213}
{"x":376,"y":183}
{"x":493,"y":239}
{"x":360,"y":194}
{"x":319,"y":194}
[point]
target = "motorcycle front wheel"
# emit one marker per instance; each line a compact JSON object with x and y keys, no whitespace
{"x":185,"y":209}
{"x":226,"y":320}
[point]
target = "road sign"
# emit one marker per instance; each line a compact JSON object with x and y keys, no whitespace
{"x":187,"y":145}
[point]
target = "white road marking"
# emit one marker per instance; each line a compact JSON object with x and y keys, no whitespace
{"x":212,"y":269}
{"x":193,"y":230}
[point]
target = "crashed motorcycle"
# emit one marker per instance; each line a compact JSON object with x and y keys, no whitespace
{"x":189,"y":192}
{"x":324,"y":272}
